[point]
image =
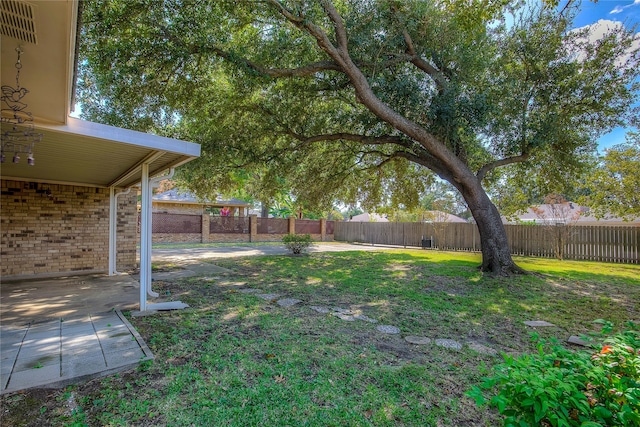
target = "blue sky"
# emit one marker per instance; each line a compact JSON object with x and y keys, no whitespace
{"x":625,"y":11}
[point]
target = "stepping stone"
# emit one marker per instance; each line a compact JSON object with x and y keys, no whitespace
{"x":268,"y":297}
{"x":342,"y":310}
{"x":417,"y":340}
{"x":388,"y":329}
{"x":345,"y":317}
{"x":480,"y":348}
{"x":288,"y":302}
{"x":319,"y":309}
{"x":226,"y":283}
{"x":573,"y":339}
{"x":365,"y":318}
{"x":249,"y":291}
{"x":447,"y":343}
{"x":209,"y":279}
{"x":538,"y":323}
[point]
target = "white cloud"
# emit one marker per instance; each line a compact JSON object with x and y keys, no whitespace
{"x":600,"y":28}
{"x":603,"y":26}
{"x":619,"y":9}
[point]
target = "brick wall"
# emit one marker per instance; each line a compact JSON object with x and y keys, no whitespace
{"x":127,"y":238}
{"x":48,"y":229}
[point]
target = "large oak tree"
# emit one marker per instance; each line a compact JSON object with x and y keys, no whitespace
{"x":359,"y":99}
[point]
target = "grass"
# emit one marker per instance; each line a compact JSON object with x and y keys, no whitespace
{"x":233,"y":359}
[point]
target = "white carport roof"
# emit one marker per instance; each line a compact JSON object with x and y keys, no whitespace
{"x":72,"y":151}
{"x":85,"y":153}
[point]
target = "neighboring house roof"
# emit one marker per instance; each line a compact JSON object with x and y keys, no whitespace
{"x":571,"y":213}
{"x":439,"y":216}
{"x":72,"y":151}
{"x":430,"y":216}
{"x":176,"y":196}
{"x":368,"y":217}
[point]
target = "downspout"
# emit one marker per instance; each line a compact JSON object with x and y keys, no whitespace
{"x":113,"y":216}
{"x":155,"y":181}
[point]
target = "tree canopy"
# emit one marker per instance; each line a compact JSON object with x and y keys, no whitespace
{"x":613,"y":188}
{"x":362,"y":101}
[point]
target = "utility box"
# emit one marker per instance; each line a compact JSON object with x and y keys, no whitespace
{"x":426,"y":243}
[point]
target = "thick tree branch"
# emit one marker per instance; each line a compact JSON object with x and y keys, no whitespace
{"x":429,"y":162}
{"x":421,"y":64}
{"x":502,"y":162}
{"x":365,"y":94}
{"x":338,"y":25}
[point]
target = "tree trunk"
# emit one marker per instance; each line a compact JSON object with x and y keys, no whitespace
{"x":265,"y":210}
{"x":496,"y":255}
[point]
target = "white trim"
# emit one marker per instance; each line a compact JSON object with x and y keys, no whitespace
{"x":112,"y":231}
{"x":135,"y":169}
{"x":49,"y":181}
{"x":145,"y":234}
{"x":114,"y":134}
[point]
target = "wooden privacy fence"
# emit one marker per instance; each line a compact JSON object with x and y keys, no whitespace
{"x":594,"y":243}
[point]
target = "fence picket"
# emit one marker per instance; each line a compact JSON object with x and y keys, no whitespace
{"x":617,"y":244}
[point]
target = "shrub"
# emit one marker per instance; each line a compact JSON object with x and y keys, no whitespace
{"x":297,"y":243}
{"x":558,"y":387}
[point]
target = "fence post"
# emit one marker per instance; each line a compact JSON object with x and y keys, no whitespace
{"x":404,"y":234}
{"x":292,"y":225}
{"x":206,"y":221}
{"x":323,"y":229}
{"x":253,"y":227}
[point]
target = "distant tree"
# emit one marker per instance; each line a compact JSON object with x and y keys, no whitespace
{"x":361,"y":100}
{"x":615,"y":186}
{"x":166,"y":185}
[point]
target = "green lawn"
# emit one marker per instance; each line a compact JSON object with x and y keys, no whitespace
{"x":235,"y":359}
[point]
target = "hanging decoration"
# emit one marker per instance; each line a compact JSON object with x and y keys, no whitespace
{"x":19,"y":137}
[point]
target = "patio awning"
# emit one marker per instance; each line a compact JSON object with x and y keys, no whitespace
{"x":92,"y":154}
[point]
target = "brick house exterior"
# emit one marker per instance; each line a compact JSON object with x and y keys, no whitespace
{"x":54,"y":229}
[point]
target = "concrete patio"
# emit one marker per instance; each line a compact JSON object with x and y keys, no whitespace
{"x":61,"y":331}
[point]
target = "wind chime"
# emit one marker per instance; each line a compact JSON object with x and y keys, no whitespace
{"x":20,"y":136}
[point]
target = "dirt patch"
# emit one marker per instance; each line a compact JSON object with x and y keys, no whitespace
{"x":452,"y":286}
{"x":30,"y":408}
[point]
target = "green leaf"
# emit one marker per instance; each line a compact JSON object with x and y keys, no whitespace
{"x":602,"y":412}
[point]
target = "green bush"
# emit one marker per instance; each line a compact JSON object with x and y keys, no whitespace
{"x":558,"y":387}
{"x":297,"y":243}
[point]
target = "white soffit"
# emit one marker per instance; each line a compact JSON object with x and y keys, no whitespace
{"x":86,"y":153}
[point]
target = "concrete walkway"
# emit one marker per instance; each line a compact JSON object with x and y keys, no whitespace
{"x":191,"y":255}
{"x":56,"y":353}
